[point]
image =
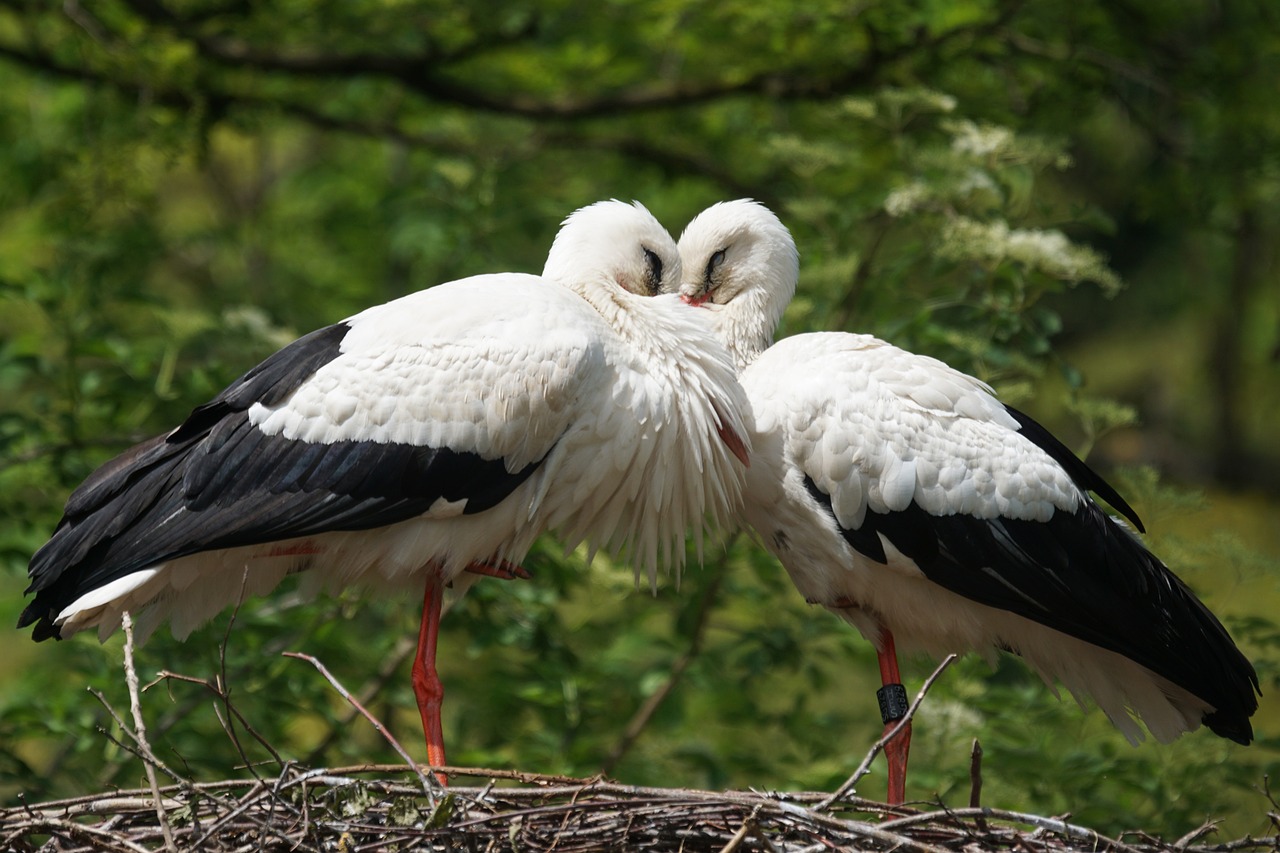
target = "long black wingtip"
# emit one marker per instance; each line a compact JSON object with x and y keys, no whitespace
{"x":1080,"y":473}
{"x":44,"y":629}
{"x":1230,"y":726}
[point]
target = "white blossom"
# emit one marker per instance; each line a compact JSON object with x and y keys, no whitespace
{"x":1044,"y":250}
{"x":906,"y":199}
{"x":980,"y":140}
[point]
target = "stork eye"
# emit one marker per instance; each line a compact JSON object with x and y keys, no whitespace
{"x":714,"y":263}
{"x":655,"y":271}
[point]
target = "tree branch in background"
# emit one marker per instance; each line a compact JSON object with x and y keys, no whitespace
{"x":426,"y":74}
{"x":640,"y":720}
{"x":1233,"y":462}
{"x":677,"y":162}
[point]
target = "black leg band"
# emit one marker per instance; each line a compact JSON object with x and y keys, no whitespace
{"x":893,"y":702}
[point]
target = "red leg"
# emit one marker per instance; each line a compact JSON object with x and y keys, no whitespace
{"x":501,"y":569}
{"x":426,"y":681}
{"x":893,"y":707}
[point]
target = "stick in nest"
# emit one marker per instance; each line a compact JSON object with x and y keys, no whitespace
{"x":430,"y":785}
{"x":140,"y":729}
{"x":865,"y":767}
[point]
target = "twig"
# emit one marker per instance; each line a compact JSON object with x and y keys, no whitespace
{"x":1200,"y":831}
{"x":430,"y":786}
{"x":747,"y":826}
{"x":212,"y":686}
{"x":391,"y":664}
{"x":865,"y":766}
{"x":140,"y":729}
{"x":102,"y":839}
{"x":975,"y":782}
{"x":86,"y":20}
{"x":248,"y":801}
{"x":522,"y":776}
{"x":224,"y":686}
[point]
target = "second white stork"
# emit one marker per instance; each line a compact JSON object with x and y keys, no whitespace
{"x":904,"y":497}
{"x":442,"y":431}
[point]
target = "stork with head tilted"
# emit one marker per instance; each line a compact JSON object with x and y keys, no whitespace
{"x":440,"y":432}
{"x":904,"y":497}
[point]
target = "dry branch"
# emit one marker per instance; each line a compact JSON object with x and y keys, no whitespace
{"x":140,"y":731}
{"x":878,"y":746}
{"x":427,"y":779}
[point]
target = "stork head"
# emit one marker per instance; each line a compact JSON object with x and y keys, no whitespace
{"x":616,"y":242}
{"x":740,"y":261}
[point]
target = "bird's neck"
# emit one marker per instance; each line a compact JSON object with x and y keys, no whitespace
{"x":746,"y":326}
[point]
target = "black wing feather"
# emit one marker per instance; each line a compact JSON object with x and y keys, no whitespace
{"x":219,"y":482}
{"x":1082,"y":574}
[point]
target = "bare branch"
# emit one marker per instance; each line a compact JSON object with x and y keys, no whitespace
{"x":975,"y":780}
{"x":747,"y":827}
{"x":1052,"y":824}
{"x":865,"y":766}
{"x":430,"y":786}
{"x":140,"y":729}
{"x":404,"y":647}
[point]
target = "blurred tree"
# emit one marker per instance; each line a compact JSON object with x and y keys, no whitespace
{"x":1172,"y":112}
{"x":185,"y":185}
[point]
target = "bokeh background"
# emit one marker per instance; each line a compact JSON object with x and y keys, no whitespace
{"x":1078,"y":203}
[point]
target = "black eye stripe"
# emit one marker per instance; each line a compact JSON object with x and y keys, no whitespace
{"x":655,"y":270}
{"x":714,"y":262}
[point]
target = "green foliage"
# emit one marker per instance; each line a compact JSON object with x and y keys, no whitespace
{"x":186,"y":185}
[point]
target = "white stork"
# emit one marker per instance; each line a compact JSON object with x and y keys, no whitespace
{"x":904,"y":497}
{"x":440,"y":432}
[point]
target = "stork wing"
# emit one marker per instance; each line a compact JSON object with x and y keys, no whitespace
{"x":905,"y":452}
{"x":440,"y":403}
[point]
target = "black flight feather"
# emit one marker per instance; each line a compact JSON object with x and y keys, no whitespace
{"x":217,"y":481}
{"x":1082,"y":574}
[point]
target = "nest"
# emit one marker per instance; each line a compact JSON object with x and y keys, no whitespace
{"x":384,"y":808}
{"x":403,"y":808}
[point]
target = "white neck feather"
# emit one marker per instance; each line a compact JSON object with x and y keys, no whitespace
{"x":747,"y":324}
